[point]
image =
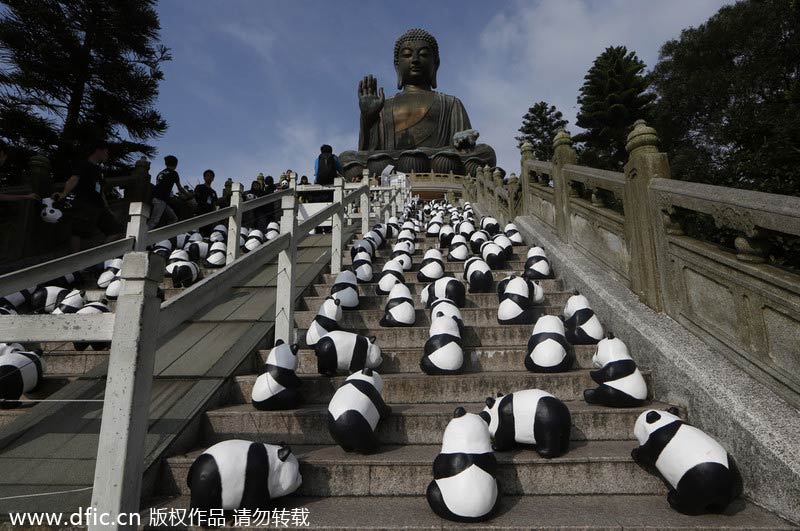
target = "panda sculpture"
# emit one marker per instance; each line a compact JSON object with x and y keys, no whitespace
{"x":273,"y":231}
{"x":702,"y":475}
{"x":184,"y":274}
{"x":444,"y":288}
{"x":71,"y":303}
{"x":531,"y":417}
{"x":197,"y":250}
{"x":446,"y":234}
{"x":432,"y":266}
{"x":478,"y":275}
{"x":477,"y":239}
{"x":392,"y":227}
{"x":346,"y":352}
{"x":345,"y":288}
{"x":402,"y":252}
{"x":434,"y":226}
{"x":391,"y":275}
{"x":409,"y":237}
{"x":162,"y":248}
{"x":278,"y":387}
{"x":458,"y":251}
{"x":537,"y":267}
{"x":582,"y":325}
{"x":218,"y":234}
{"x":376,"y":238}
{"x":19,"y":301}
{"x":505,"y":244}
{"x":45,"y":299}
{"x":535,"y":290}
{"x":464,"y":486}
{"x":516,"y":301}
{"x":362,"y":267}
{"x":255,"y":238}
{"x":512,"y":233}
{"x":465,"y":228}
{"x":176,"y":256}
{"x":93,"y":308}
{"x":443,"y":352}
{"x":620,"y":382}
{"x":548,"y":350}
{"x":355,"y":410}
{"x":367,"y":246}
{"x":327,"y":320}
{"x":217,"y":255}
{"x":399,"y":310}
{"x":493,"y":255}
{"x":237,"y":474}
{"x":449,"y":309}
{"x":111,"y":270}
{"x":20,"y":372}
{"x":490,"y":225}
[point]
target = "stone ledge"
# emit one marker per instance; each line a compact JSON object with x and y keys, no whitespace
{"x":756,"y":426}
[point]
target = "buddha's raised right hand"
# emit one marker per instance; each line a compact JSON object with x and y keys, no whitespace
{"x":370,"y":98}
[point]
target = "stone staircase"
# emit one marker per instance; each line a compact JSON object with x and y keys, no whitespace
{"x":596,"y":485}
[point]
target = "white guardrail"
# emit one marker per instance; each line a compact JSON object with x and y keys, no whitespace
{"x":139,"y":311}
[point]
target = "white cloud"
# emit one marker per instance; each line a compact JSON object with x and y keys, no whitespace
{"x":259,"y":39}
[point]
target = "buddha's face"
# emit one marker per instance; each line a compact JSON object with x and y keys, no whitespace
{"x":416,"y":64}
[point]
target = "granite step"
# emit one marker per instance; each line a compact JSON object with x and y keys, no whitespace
{"x":457,"y":272}
{"x":378,"y":302}
{"x":416,"y":287}
{"x":454,"y":268}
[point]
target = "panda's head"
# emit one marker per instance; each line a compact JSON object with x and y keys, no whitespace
{"x":445,"y":306}
{"x":444,"y":324}
{"x":370,"y":376}
{"x":491,"y":413}
{"x":400,"y":291}
{"x":433,"y":254}
{"x":284,"y":470}
{"x":653,"y":419}
{"x":283,"y":355}
{"x":374,"y":358}
{"x":346,"y":277}
{"x":536,"y":251}
{"x":549,"y":324}
{"x":393,"y":265}
{"x":574,"y":303}
{"x":331,"y":308}
{"x":610,"y":349}
{"x":363,"y":255}
{"x":178,"y":255}
{"x":8,"y":348}
{"x":466,"y":433}
{"x":49,"y":213}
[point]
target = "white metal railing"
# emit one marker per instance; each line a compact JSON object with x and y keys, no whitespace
{"x":139,"y":311}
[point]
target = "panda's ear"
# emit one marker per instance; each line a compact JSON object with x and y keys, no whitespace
{"x":459,"y":412}
{"x":295,"y":348}
{"x":284,"y":452}
{"x":372,"y":339}
{"x":674,"y":411}
{"x":499,"y":394}
{"x":336,"y":301}
{"x":490,"y":402}
{"x":575,"y":292}
{"x":279,"y":342}
{"x":610,"y":335}
{"x":439,"y":314}
{"x":652,"y":417}
{"x":366,"y":371}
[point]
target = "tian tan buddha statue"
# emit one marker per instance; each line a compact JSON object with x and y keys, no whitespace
{"x":418,"y":128}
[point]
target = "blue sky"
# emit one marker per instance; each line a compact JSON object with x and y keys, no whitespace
{"x":258,"y":85}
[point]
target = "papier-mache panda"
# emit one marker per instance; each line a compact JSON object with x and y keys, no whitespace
{"x":702,"y":475}
{"x":273,"y":230}
{"x":197,"y":250}
{"x":532,"y":417}
{"x":621,"y":384}
{"x":448,"y":308}
{"x":478,"y":275}
{"x":93,"y":308}
{"x":444,"y":288}
{"x":391,"y":275}
{"x":505,"y":244}
{"x":19,"y":301}
{"x":401,"y":252}
{"x":326,"y":320}
{"x":217,"y":255}
{"x":399,"y":310}
{"x":432,"y":266}
{"x":176,"y":256}
{"x":409,"y":236}
{"x":512,"y":233}
{"x":237,"y":474}
{"x":458,"y":251}
{"x":490,"y":225}
{"x":548,"y":350}
{"x":477,"y":239}
{"x":347,"y":352}
{"x":465,"y":228}
{"x":162,"y":248}
{"x":377,"y":237}
{"x":47,"y":299}
{"x":446,"y":234}
{"x":218,"y":234}
{"x":354,"y":412}
{"x":278,"y":387}
{"x":434,"y":226}
{"x":443,"y":353}
{"x":392,"y":227}
{"x":537,"y":267}
{"x":71,"y":303}
{"x":21,"y":372}
{"x":184,"y":274}
{"x":362,"y":245}
{"x":345,"y":288}
{"x":582,"y":325}
{"x":517,"y":298}
{"x":362,"y":266}
{"x":255,"y":238}
{"x":493,"y":255}
{"x":464,"y":486}
{"x":110,"y":271}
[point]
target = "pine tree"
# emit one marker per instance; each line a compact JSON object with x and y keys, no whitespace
{"x":539,"y":126}
{"x":76,"y":70}
{"x":614,"y":95}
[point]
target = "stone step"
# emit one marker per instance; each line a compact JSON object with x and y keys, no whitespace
{"x":416,"y":287}
{"x":457,"y":272}
{"x":408,"y":424}
{"x":378,"y":302}
{"x":454,"y":268}
{"x":73,"y":362}
{"x":595,"y":467}
{"x":420,"y":388}
{"x":515,"y":513}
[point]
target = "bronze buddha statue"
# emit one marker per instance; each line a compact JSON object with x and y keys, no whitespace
{"x":418,"y":121}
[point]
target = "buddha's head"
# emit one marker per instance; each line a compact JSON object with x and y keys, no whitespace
{"x":416,"y":59}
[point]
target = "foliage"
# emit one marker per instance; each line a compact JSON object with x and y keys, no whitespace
{"x":539,"y":126}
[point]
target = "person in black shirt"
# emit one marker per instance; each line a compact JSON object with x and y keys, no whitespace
{"x":165,"y":180}
{"x":89,"y":207}
{"x":205,"y":196}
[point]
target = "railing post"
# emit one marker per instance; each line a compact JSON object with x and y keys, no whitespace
{"x":644,"y":164}
{"x":138,"y":213}
{"x":337,"y":233}
{"x":365,"y":204}
{"x":234,"y":224}
{"x":524,"y":177}
{"x":120,"y":451}
{"x":39,"y":175}
{"x":563,"y":153}
{"x":284,"y":304}
{"x":393,"y":194}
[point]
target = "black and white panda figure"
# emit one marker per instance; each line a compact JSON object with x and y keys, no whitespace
{"x":702,"y":475}
{"x":531,"y":417}
{"x":477,"y":239}
{"x":197,"y":250}
{"x":327,"y":320}
{"x":20,"y":372}
{"x":193,"y":236}
{"x":184,"y":274}
{"x":273,"y":230}
{"x":465,"y":229}
{"x":111,"y":270}
{"x":444,"y":288}
{"x":7,"y":310}
{"x":162,"y":248}
{"x":446,"y":234}
{"x":432,"y":266}
{"x":490,"y":225}
{"x":217,"y":255}
{"x":582,"y":325}
{"x":93,"y":308}
{"x":464,"y":486}
{"x":392,"y":227}
{"x":548,"y":350}
{"x":218,"y":234}
{"x":355,"y":410}
{"x":255,"y":238}
{"x":448,"y":308}
{"x":409,"y":237}
{"x":402,"y":252}
{"x":493,"y":255}
{"x":376,"y":237}
{"x":367,"y":246}
{"x":19,"y":301}
{"x":345,"y":288}
{"x":362,"y":267}
{"x":49,"y":213}
{"x":399,"y":310}
{"x":516,"y":301}
{"x":237,"y":474}
{"x":537,"y":267}
{"x":620,"y":382}
{"x":391,"y":275}
{"x":478,"y":275}
{"x":512,"y":233}
{"x":505,"y":244}
{"x":458,"y":250}
{"x":71,"y":303}
{"x":346,"y":352}
{"x":176,"y":256}
{"x":180,"y":240}
{"x":443,"y":352}
{"x":45,"y":299}
{"x":278,"y":387}
{"x":535,"y":290}
{"x":113,"y":288}
{"x":434,"y":226}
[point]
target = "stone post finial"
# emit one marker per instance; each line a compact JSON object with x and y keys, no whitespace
{"x":497,"y":174}
{"x":642,"y":136}
{"x":562,"y":138}
{"x":527,"y":150}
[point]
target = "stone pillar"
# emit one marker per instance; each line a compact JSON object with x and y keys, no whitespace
{"x":524,"y":178}
{"x":645,"y":163}
{"x":364,"y":208}
{"x":287,"y":273}
{"x":39,"y":178}
{"x":234,"y":223}
{"x":337,"y":229}
{"x":563,"y":153}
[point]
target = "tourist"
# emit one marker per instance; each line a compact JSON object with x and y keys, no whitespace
{"x":206,"y":199}
{"x":165,"y":180}
{"x":304,"y":180}
{"x":257,"y":218}
{"x":89,"y":207}
{"x":327,"y":166}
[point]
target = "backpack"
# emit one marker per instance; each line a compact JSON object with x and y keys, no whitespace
{"x":326,"y":169}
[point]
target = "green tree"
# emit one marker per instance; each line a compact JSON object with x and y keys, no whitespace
{"x":728,"y":108}
{"x":74,"y":70}
{"x":539,"y":126}
{"x":613,"y":96}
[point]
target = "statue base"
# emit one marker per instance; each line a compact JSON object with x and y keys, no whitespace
{"x":420,"y":160}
